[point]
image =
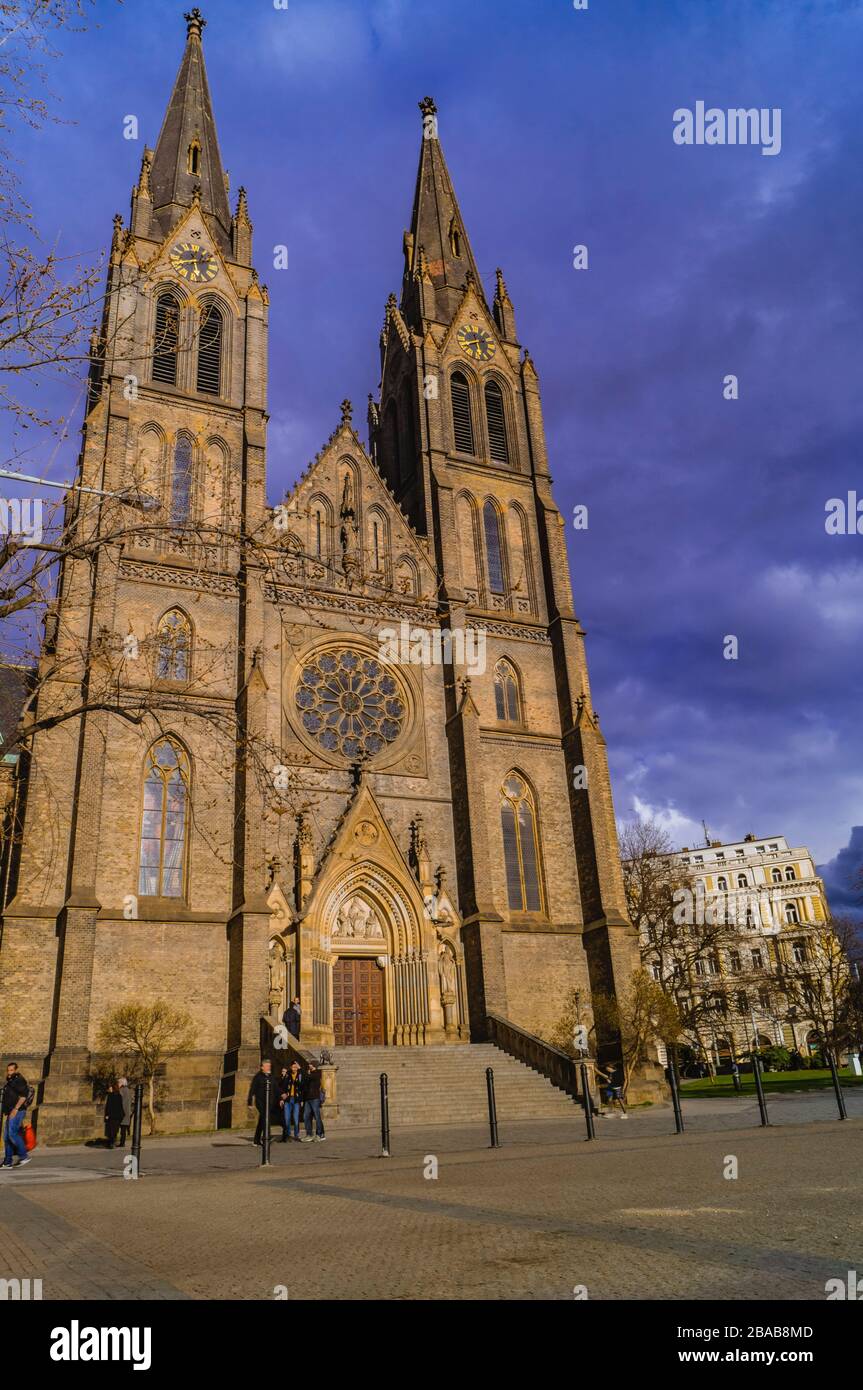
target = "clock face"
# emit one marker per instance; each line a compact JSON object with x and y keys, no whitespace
{"x":476,"y":344}
{"x":193,"y":262}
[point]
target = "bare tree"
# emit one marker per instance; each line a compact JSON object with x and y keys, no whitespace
{"x":145,"y":1036}
{"x":643,"y":1016}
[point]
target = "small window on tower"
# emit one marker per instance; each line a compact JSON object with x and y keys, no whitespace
{"x":454,"y":239}
{"x":195,"y":157}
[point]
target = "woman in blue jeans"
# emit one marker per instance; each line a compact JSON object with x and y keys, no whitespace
{"x":292,"y":1096}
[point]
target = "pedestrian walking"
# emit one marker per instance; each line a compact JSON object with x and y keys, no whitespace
{"x":125,"y":1091}
{"x":613,"y":1088}
{"x":16,"y":1096}
{"x":291,"y":1017}
{"x":281,"y":1084}
{"x":315,"y":1096}
{"x":258,"y":1097}
{"x":294,"y":1094}
{"x":113,"y":1113}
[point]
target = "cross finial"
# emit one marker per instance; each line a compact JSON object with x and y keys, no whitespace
{"x":195,"y":23}
{"x":347,"y":411}
{"x":428,"y":107}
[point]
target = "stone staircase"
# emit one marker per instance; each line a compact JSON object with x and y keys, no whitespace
{"x":441,"y":1085}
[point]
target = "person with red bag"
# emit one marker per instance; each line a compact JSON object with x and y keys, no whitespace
{"x":16,"y":1097}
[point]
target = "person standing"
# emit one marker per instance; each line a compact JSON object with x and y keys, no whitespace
{"x":314,"y":1098}
{"x":281,"y":1088}
{"x":291,"y":1017}
{"x":614,"y":1088}
{"x":15,"y":1096}
{"x":262,"y":1081}
{"x":294,"y":1094}
{"x":113,"y":1113}
{"x":126,"y":1122}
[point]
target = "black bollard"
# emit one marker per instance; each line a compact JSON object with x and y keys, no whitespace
{"x":762,"y":1105}
{"x":840,"y":1099}
{"x":137,"y":1126}
{"x":492,"y":1108}
{"x":585,"y":1099}
{"x":265,"y":1146}
{"x":675,"y":1098}
{"x":385,"y":1116}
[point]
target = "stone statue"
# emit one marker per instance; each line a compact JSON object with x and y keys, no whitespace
{"x":447,"y":971}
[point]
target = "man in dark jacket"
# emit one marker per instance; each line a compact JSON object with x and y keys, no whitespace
{"x":258,"y":1097}
{"x":291,"y":1018}
{"x":314,"y":1097}
{"x":12,"y":1107}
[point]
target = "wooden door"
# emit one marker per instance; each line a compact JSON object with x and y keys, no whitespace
{"x":358,"y":1003}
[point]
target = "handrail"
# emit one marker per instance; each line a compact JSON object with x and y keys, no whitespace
{"x":560,"y":1069}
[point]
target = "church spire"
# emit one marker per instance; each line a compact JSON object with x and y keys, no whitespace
{"x":437,"y":236}
{"x":187,"y":152}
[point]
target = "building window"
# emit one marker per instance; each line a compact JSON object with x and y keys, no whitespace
{"x":194,"y":165}
{"x":722,"y":884}
{"x":764,"y":999}
{"x":757,"y":960}
{"x":496,"y":419}
{"x":493,"y":546}
{"x":741,"y":881}
{"x":167,"y":340}
{"x":376,"y":544}
{"x":174,"y":646}
{"x":791,"y":914}
{"x":776,"y":875}
{"x":181,"y":482}
{"x":210,"y":351}
{"x":318,"y":537}
{"x":462,"y":420}
{"x":742,"y":1001}
{"x":790,"y":874}
{"x":520,"y":846}
{"x":799,"y":951}
{"x":164,"y":827}
{"x":506,"y":701}
{"x":734,"y":962}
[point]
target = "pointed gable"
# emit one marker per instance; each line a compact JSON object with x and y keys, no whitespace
{"x":344,"y":518}
{"x":189,"y":124}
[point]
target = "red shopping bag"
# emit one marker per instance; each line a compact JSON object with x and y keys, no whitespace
{"x":29,"y":1137}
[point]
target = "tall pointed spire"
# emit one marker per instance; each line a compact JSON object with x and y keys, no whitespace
{"x":437,"y":233}
{"x":187,"y":152}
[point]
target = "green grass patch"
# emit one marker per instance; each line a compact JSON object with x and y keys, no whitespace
{"x":772,"y":1081}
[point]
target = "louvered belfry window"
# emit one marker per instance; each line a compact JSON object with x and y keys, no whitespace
{"x":210,"y":351}
{"x":167,"y":339}
{"x":494,"y":413}
{"x":462,"y":424}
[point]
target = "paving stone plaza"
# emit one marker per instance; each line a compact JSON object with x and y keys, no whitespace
{"x":640,"y":1213}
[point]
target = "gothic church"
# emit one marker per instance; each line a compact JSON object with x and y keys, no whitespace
{"x":424,"y":853}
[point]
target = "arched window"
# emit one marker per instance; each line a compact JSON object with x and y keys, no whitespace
{"x":790,"y":874}
{"x":776,"y":875}
{"x":494,"y":549}
{"x":520,"y":846}
{"x":167,"y":339}
{"x":506,"y":699}
{"x":194,"y":165}
{"x":319,"y":539}
{"x":454,"y":238}
{"x":741,"y":881}
{"x":181,"y":482}
{"x":494,"y":414}
{"x":462,"y":420}
{"x":210,"y":351}
{"x":174,"y":646}
{"x":791,"y":914}
{"x":164,"y":826}
{"x":376,"y":544}
{"x":722,"y":884}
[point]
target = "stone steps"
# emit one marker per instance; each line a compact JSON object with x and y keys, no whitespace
{"x":435,"y":1085}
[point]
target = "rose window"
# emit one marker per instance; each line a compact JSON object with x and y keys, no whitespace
{"x":349,"y":703}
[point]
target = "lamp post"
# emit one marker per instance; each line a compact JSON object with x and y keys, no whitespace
{"x":130,"y":496}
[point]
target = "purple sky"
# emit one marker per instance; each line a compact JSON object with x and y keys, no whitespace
{"x":706,"y":516}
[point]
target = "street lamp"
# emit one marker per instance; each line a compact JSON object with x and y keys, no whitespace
{"x":130,"y":496}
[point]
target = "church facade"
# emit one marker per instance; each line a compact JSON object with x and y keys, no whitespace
{"x":364,"y":765}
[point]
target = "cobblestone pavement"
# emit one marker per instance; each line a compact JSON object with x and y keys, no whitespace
{"x":641,"y":1213}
